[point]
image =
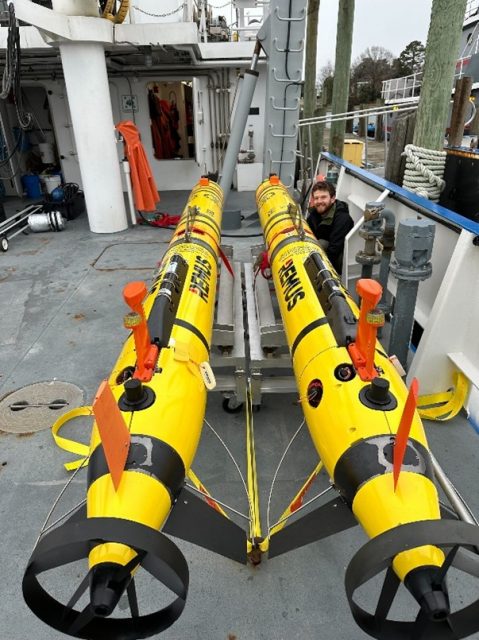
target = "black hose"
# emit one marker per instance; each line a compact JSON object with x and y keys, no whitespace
{"x":11,"y":81}
{"x":18,"y":143}
{"x":70,"y":190}
{"x":146,"y":221}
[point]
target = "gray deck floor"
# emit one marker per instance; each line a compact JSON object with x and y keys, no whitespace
{"x":61,"y":317}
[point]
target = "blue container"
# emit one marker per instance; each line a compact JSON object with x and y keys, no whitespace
{"x":57,"y":195}
{"x":32,"y":186}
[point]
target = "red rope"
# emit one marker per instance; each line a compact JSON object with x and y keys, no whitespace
{"x":222,"y":255}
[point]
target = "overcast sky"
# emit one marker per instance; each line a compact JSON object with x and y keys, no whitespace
{"x":387,"y":23}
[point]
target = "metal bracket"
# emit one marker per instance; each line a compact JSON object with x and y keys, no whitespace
{"x":293,"y":80}
{"x":275,"y":106}
{"x":283,"y":135}
{"x":292,"y":161}
{"x":300,"y":18}
{"x":301,"y":47}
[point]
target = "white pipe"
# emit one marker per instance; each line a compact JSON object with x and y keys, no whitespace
{"x":86,"y":81}
{"x":351,"y":115}
{"x":369,"y":110}
{"x":131,"y":204}
{"x":237,"y":130}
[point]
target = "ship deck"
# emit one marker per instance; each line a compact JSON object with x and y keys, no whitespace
{"x":61,"y":319}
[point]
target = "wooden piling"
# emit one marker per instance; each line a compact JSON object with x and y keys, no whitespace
{"x":459,"y":111}
{"x":402,"y":134}
{"x":310,"y":90}
{"x":342,"y":68}
{"x":441,"y":56}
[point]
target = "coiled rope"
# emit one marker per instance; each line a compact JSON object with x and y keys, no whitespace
{"x":120,"y":15}
{"x":424,"y":171}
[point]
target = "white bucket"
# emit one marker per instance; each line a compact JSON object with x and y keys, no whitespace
{"x":77,"y":7}
{"x":46,"y":152}
{"x":51,"y":182}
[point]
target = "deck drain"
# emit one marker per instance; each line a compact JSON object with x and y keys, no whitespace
{"x":37,"y":406}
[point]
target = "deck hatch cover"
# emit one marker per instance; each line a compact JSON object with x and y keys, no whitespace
{"x":36,"y":406}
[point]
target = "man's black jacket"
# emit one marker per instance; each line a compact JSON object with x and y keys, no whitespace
{"x":334,"y":229}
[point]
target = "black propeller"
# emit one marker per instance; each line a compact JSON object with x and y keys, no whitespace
{"x":435,"y":620}
{"x":73,"y":541}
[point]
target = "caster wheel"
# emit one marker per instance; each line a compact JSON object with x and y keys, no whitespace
{"x":230,"y":406}
{"x":3,"y":243}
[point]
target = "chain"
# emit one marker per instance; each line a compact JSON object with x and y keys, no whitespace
{"x":182,"y":6}
{"x":161,"y":15}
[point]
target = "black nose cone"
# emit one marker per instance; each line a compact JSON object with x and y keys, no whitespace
{"x":107,"y":584}
{"x":431,"y":595}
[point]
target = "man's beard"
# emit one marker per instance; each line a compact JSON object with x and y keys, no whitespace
{"x":323,"y":208}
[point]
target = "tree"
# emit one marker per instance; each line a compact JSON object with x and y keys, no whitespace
{"x":325,"y":81}
{"x":369,"y":70}
{"x":325,"y":72}
{"x":411,"y":59}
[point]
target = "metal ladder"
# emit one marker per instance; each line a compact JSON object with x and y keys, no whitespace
{"x":284,"y":38}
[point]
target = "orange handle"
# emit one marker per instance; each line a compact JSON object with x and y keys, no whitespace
{"x":134,"y":293}
{"x":146,"y":354}
{"x":370,"y":320}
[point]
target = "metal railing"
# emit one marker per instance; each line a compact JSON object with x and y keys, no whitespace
{"x":472,"y":8}
{"x":461,"y":67}
{"x":409,"y":87}
{"x":308,"y":164}
{"x":247,"y":26}
{"x":403,"y":88}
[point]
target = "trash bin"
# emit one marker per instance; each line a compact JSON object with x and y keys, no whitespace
{"x":353,"y":151}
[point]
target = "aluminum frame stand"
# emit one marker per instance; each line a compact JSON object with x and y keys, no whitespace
{"x":248,"y":336}
{"x":228,"y":351}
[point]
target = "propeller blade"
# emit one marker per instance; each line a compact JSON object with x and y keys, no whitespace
{"x":445,"y":566}
{"x":388,"y":593}
{"x":84,"y":618}
{"x":132,"y":599}
{"x":79,"y":592}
